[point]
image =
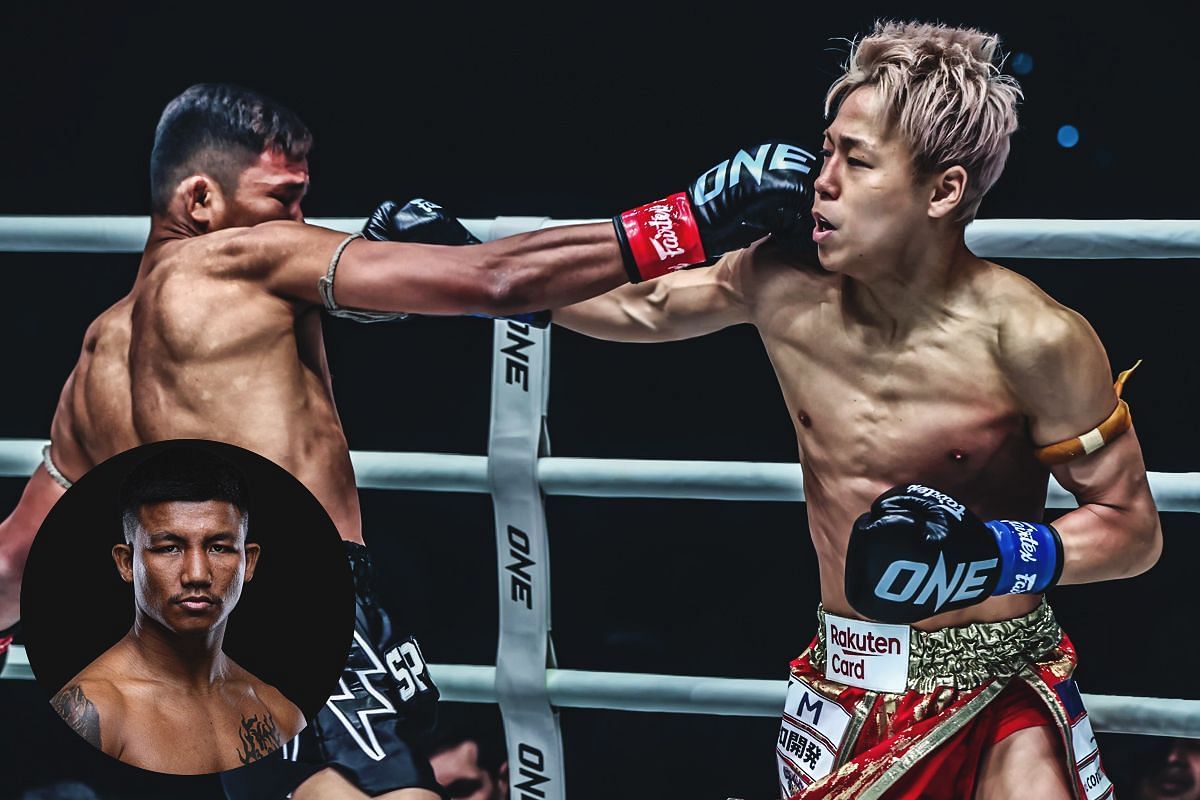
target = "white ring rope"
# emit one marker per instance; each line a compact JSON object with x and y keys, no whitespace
{"x":990,"y":238}
{"x":743,"y":697}
{"x":708,"y":480}
{"x":614,"y":477}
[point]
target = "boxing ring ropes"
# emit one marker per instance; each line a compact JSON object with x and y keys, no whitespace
{"x":518,"y":472}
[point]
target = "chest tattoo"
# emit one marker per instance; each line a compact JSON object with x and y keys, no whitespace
{"x":259,"y":737}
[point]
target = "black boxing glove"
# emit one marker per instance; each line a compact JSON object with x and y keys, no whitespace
{"x":418,"y":221}
{"x":762,"y":190}
{"x":919,"y":552}
{"x":422,"y":222}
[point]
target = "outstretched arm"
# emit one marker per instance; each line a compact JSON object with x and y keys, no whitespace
{"x":757,"y":192}
{"x":678,"y":306}
{"x":519,"y":273}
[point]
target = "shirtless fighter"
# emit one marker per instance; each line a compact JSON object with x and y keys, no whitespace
{"x":220,"y":338}
{"x":907,"y":362}
{"x":186,"y":555}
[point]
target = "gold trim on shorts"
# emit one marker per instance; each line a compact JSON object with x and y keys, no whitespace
{"x":932,"y":740}
{"x":967,"y":656}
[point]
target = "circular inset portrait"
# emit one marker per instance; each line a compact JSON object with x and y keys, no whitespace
{"x":188,"y":606}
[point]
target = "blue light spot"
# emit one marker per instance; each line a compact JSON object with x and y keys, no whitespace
{"x":1068,"y":136}
{"x":1022,"y":63}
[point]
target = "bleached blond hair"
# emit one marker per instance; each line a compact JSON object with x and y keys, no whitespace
{"x":943,"y":91}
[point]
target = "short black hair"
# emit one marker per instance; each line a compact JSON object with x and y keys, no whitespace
{"x":219,"y":128}
{"x":457,"y":724}
{"x":184,"y":472}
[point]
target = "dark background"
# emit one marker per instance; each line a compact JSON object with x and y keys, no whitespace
{"x":578,"y":114}
{"x":75,"y":605}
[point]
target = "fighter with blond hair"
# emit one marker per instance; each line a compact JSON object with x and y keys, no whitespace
{"x":931,"y":390}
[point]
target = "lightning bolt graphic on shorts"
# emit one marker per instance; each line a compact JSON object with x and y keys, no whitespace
{"x":356,"y":719}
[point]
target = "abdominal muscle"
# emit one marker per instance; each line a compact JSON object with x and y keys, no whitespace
{"x":977,"y":453}
{"x":871,"y":413}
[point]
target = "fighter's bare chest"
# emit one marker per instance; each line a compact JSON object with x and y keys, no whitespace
{"x":938,"y":406}
{"x":195,"y":738}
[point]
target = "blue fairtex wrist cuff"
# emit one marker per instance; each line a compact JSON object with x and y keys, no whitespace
{"x":1030,"y":556}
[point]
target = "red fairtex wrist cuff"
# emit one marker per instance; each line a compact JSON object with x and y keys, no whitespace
{"x":6,"y":637}
{"x":660,"y":237}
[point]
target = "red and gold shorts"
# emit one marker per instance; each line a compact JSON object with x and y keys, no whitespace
{"x":838,"y":741}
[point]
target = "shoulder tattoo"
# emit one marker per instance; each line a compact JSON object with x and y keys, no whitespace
{"x":259,"y":737}
{"x":78,"y":712}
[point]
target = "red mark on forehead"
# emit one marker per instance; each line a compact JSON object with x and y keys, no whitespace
{"x":276,"y":165}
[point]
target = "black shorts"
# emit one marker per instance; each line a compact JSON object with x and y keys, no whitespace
{"x":367,"y":729}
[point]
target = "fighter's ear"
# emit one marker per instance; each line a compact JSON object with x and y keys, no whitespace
{"x":123,"y":557}
{"x":252,"y":552}
{"x":200,"y":196}
{"x":502,"y":779}
{"x":947,"y":191}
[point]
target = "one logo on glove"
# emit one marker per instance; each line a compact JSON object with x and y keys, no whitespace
{"x":967,"y":581}
{"x":729,"y":172}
